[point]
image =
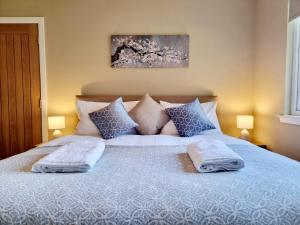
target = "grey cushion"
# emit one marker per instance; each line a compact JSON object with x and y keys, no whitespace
{"x":190,"y":119}
{"x":113,"y":120}
{"x":149,"y":115}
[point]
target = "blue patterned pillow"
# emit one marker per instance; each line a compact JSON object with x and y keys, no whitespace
{"x":190,"y":119}
{"x":113,"y":120}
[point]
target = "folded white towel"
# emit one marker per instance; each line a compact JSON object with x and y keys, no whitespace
{"x":71,"y":157}
{"x":214,"y":155}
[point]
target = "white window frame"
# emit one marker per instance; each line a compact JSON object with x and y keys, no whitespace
{"x":295,"y":67}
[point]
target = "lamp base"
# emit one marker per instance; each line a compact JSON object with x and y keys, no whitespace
{"x":245,"y":135}
{"x":57,"y":133}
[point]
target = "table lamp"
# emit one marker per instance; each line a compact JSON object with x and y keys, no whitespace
{"x":244,"y":122}
{"x":56,"y":123}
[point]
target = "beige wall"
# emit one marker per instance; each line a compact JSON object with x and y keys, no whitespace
{"x":78,"y":49}
{"x":269,"y":78}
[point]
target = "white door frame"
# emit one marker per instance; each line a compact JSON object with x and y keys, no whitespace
{"x":42,"y":52}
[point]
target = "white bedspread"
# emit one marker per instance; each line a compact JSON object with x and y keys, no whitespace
{"x":149,"y":140}
{"x":152,"y":185}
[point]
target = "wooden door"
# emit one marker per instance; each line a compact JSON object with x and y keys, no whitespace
{"x":20,"y":113}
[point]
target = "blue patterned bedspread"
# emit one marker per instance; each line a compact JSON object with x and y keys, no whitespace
{"x":152,"y":185}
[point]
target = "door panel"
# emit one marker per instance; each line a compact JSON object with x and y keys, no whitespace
{"x":27,"y":92}
{"x":35,"y":85}
{"x":19,"y":92}
{"x":4,"y":99}
{"x":20,"y":113}
{"x":11,"y":76}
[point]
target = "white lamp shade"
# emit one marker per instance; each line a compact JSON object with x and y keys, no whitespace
{"x":245,"y":122}
{"x":56,"y":122}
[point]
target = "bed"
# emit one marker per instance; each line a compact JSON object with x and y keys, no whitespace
{"x":151,"y":180}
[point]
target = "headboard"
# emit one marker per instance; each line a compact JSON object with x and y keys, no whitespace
{"x":174,"y":99}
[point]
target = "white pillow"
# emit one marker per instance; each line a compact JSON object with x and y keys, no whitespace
{"x":208,"y":107}
{"x":85,"y":126}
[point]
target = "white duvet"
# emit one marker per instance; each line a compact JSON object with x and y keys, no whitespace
{"x":148,"y":140}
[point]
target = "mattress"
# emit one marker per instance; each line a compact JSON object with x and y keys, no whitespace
{"x":135,"y":182}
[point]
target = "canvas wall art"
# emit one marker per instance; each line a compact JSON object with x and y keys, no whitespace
{"x":149,"y":51}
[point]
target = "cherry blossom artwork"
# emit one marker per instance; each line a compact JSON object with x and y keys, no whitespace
{"x":150,"y":51}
